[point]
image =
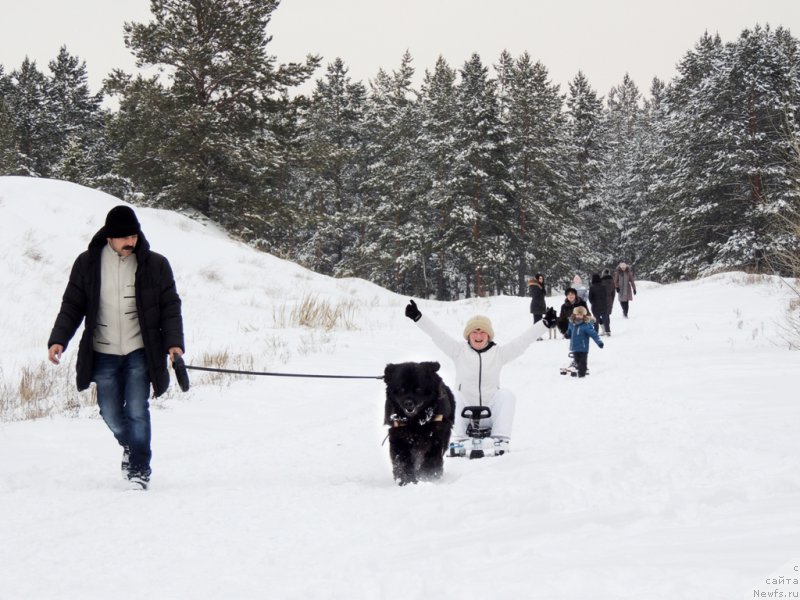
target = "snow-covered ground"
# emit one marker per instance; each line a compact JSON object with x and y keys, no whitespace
{"x":672,"y":471}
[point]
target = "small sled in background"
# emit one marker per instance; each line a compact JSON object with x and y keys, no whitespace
{"x":479,"y":442}
{"x":571,"y":369}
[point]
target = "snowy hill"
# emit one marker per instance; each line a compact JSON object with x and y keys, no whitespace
{"x":672,"y":472}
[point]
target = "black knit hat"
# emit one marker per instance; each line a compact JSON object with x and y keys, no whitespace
{"x":121,"y":222}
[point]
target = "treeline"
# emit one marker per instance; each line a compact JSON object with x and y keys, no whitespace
{"x":482,"y":176}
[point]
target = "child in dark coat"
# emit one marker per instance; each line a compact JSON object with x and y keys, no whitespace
{"x":581,"y":328}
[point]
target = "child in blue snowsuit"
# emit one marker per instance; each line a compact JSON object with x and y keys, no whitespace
{"x":581,"y":328}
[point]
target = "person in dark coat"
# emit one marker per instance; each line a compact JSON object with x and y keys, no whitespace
{"x":536,"y":291}
{"x":608,"y":283}
{"x":571,"y":300}
{"x":599,"y":303}
{"x":540,"y":279}
{"x":127,"y":296}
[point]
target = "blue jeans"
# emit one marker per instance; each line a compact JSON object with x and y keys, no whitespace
{"x":123,"y":392}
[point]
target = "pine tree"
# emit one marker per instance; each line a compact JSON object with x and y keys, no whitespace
{"x":587,"y":148}
{"x":34,"y":125}
{"x":506,"y":70}
{"x":481,"y":182}
{"x":279,"y":232}
{"x":686,"y":188}
{"x":735,"y":109}
{"x":760,"y":86}
{"x":141,"y":132}
{"x":328,"y":182}
{"x":8,"y":149}
{"x":210,"y":136}
{"x":394,"y":220}
{"x":8,"y":153}
{"x":623,"y":184}
{"x":534,"y":121}
{"x":82,"y":154}
{"x":438,"y":120}
{"x":648,"y":238}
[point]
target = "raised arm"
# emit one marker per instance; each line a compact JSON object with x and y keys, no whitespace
{"x":444,"y":342}
{"x":518,"y":345}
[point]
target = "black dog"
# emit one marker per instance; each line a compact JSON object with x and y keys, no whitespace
{"x":420,"y":413}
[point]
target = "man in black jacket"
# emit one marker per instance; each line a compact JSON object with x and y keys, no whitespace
{"x":127,"y":295}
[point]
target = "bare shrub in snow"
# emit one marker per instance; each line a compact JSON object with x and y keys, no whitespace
{"x":317,"y":313}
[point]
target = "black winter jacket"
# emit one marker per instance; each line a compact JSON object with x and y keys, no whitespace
{"x":538,"y":302}
{"x":566,"y":313}
{"x":157,"y":303}
{"x":608,"y":284}
{"x":598,"y":298}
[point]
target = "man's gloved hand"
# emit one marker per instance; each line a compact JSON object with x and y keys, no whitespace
{"x":550,"y":318}
{"x":181,"y":374}
{"x":412,"y":312}
{"x":601,"y":344}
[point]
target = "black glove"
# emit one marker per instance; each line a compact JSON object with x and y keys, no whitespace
{"x":617,"y":290}
{"x":550,"y":318}
{"x":601,"y":344}
{"x":634,"y":291}
{"x":181,"y":374}
{"x":412,"y":312}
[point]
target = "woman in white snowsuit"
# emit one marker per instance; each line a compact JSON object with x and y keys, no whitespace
{"x":478,"y":362}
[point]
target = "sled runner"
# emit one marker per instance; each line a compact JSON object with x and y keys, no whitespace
{"x":479,"y":442}
{"x":571,"y":369}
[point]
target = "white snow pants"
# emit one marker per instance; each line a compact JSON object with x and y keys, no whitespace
{"x":502,"y":405}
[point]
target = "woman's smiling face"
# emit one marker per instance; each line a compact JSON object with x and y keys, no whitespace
{"x":478,"y":339}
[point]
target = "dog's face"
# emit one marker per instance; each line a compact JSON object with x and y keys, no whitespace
{"x":412,"y":387}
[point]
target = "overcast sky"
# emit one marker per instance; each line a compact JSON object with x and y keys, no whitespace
{"x":603,"y":38}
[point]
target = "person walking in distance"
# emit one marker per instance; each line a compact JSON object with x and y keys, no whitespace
{"x":598,"y":299}
{"x":127,"y":296}
{"x":537,"y":293}
{"x":607,"y":279}
{"x":625,"y":286}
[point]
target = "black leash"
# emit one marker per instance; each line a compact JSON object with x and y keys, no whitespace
{"x":237,"y":372}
